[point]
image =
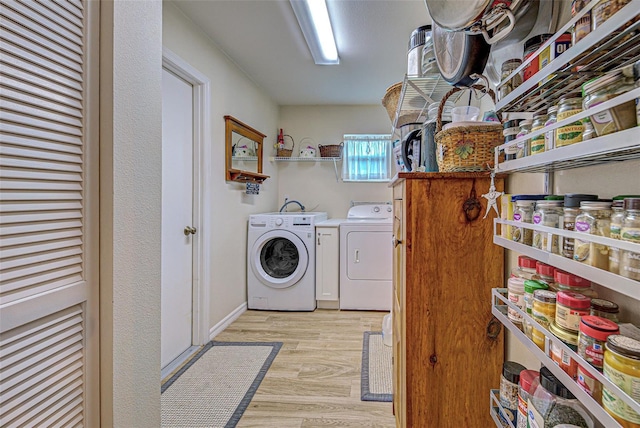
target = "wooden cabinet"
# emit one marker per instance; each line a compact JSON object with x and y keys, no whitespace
{"x":448,"y":348}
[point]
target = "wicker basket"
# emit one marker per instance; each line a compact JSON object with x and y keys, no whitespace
{"x":390,"y":102}
{"x":285,"y":153}
{"x":466,"y":148}
{"x":331,"y":151}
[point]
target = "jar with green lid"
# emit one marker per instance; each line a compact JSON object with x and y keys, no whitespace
{"x":550,"y":136}
{"x":630,"y":232}
{"x":617,"y":217}
{"x":622,"y":368}
{"x":594,"y":219}
{"x":537,"y":143}
{"x":568,"y":106}
{"x":544,"y":312}
{"x":551,"y":404}
{"x":522,"y":148}
{"x":547,"y":213}
{"x":602,"y":89}
{"x":530,"y":286}
{"x":605,"y":309}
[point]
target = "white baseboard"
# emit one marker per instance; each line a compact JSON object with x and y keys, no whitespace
{"x":226,"y":321}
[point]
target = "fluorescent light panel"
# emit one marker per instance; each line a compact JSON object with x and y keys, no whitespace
{"x":313,"y":18}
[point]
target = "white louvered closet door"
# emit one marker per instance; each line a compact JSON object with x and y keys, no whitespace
{"x":48,"y":213}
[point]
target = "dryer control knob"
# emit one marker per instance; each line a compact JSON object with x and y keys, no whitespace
{"x":278,"y":222}
{"x":388,"y":209}
{"x":376,"y":209}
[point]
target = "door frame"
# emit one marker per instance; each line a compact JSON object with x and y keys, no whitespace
{"x":201,"y":203}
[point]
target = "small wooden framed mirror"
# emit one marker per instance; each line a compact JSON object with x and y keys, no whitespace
{"x":243,"y":152}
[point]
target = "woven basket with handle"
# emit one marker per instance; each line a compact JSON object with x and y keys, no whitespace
{"x":466,"y":148}
{"x":285,"y":153}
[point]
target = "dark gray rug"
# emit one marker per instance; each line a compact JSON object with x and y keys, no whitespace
{"x":377,"y":381}
{"x":217,"y":385}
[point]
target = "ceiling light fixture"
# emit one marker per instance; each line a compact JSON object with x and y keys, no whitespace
{"x":314,"y":22}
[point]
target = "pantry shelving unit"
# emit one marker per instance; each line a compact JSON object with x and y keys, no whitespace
{"x":613,"y":44}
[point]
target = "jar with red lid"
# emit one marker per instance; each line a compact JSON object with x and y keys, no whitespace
{"x":527,"y":378}
{"x":592,"y":337}
{"x":526,"y":268}
{"x":569,"y":308}
{"x":546,"y":273}
{"x":566,"y":281}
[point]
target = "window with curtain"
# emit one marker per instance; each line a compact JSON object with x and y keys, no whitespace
{"x":366,"y":158}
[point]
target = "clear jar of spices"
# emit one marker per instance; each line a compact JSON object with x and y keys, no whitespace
{"x":566,"y":281}
{"x":570,"y":212}
{"x":594,"y":219}
{"x":605,"y":309}
{"x":583,"y":26}
{"x":510,"y":131}
{"x":522,"y":148}
{"x":537,"y":143}
{"x":630,"y":232}
{"x":617,"y":217}
{"x":603,"y":89}
{"x":509,"y":389}
{"x":526,"y":268}
{"x":550,"y":136}
{"x":508,"y":67}
{"x":530,"y":286}
{"x":547,"y":213}
{"x":568,"y":106}
{"x":527,"y":378}
{"x":546,"y":274}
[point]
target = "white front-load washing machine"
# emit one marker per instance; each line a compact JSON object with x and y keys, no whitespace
{"x":281,"y":261}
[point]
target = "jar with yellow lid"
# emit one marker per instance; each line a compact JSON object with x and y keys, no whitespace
{"x":622,"y":368}
{"x":602,"y":89}
{"x":558,"y":355}
{"x":544,"y":312}
{"x":568,"y":106}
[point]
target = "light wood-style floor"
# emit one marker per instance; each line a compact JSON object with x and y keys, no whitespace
{"x":315,"y":379}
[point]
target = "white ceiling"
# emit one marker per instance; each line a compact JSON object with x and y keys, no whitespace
{"x":263,"y":38}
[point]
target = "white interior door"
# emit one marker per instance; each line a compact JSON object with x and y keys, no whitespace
{"x":177,"y":216}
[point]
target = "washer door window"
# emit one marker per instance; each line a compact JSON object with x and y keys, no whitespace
{"x":279,"y":259}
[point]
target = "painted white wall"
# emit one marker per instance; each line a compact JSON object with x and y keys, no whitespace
{"x":226,"y":204}
{"x":130,"y":191}
{"x":314,"y":184}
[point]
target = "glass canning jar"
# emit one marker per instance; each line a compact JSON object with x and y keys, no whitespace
{"x":522,"y":148}
{"x":602,"y":89}
{"x":571,"y":133}
{"x":548,"y":214}
{"x":594,"y":219}
{"x":523,"y":213}
{"x":570,"y":211}
{"x":617,"y":217}
{"x":537,"y":143}
{"x":550,"y":136}
{"x":507,"y":68}
{"x":630,"y":231}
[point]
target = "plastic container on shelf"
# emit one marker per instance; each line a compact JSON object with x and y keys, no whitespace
{"x":558,"y":355}
{"x":510,"y":131}
{"x":602,"y":89}
{"x":527,"y":379}
{"x":605,"y":309}
{"x":522,"y":148}
{"x":526,"y":267}
{"x":507,"y":68}
{"x":551,"y":404}
{"x":571,"y":210}
{"x":523,"y":213}
{"x":570,"y":307}
{"x":509,"y":390}
{"x":622,"y":368}
{"x":566,"y":281}
{"x":530,"y":286}
{"x":515,"y":293}
{"x":544,"y":312}
{"x":550,"y":136}
{"x":537,"y":143}
{"x":546,"y":273}
{"x":630,"y":231}
{"x":594,"y":219}
{"x":569,"y":105}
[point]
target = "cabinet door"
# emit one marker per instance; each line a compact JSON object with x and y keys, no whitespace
{"x":327,"y":263}
{"x":368,"y":255}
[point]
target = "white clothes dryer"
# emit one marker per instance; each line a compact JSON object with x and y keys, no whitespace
{"x":366,"y":253}
{"x":281,"y":257}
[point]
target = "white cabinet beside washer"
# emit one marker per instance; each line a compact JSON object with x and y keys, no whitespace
{"x":327,"y":262}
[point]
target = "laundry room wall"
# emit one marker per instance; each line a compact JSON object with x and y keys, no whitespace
{"x":314,"y":183}
{"x":227,"y":207}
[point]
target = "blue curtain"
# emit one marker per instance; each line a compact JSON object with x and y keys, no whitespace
{"x":366,"y":158}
